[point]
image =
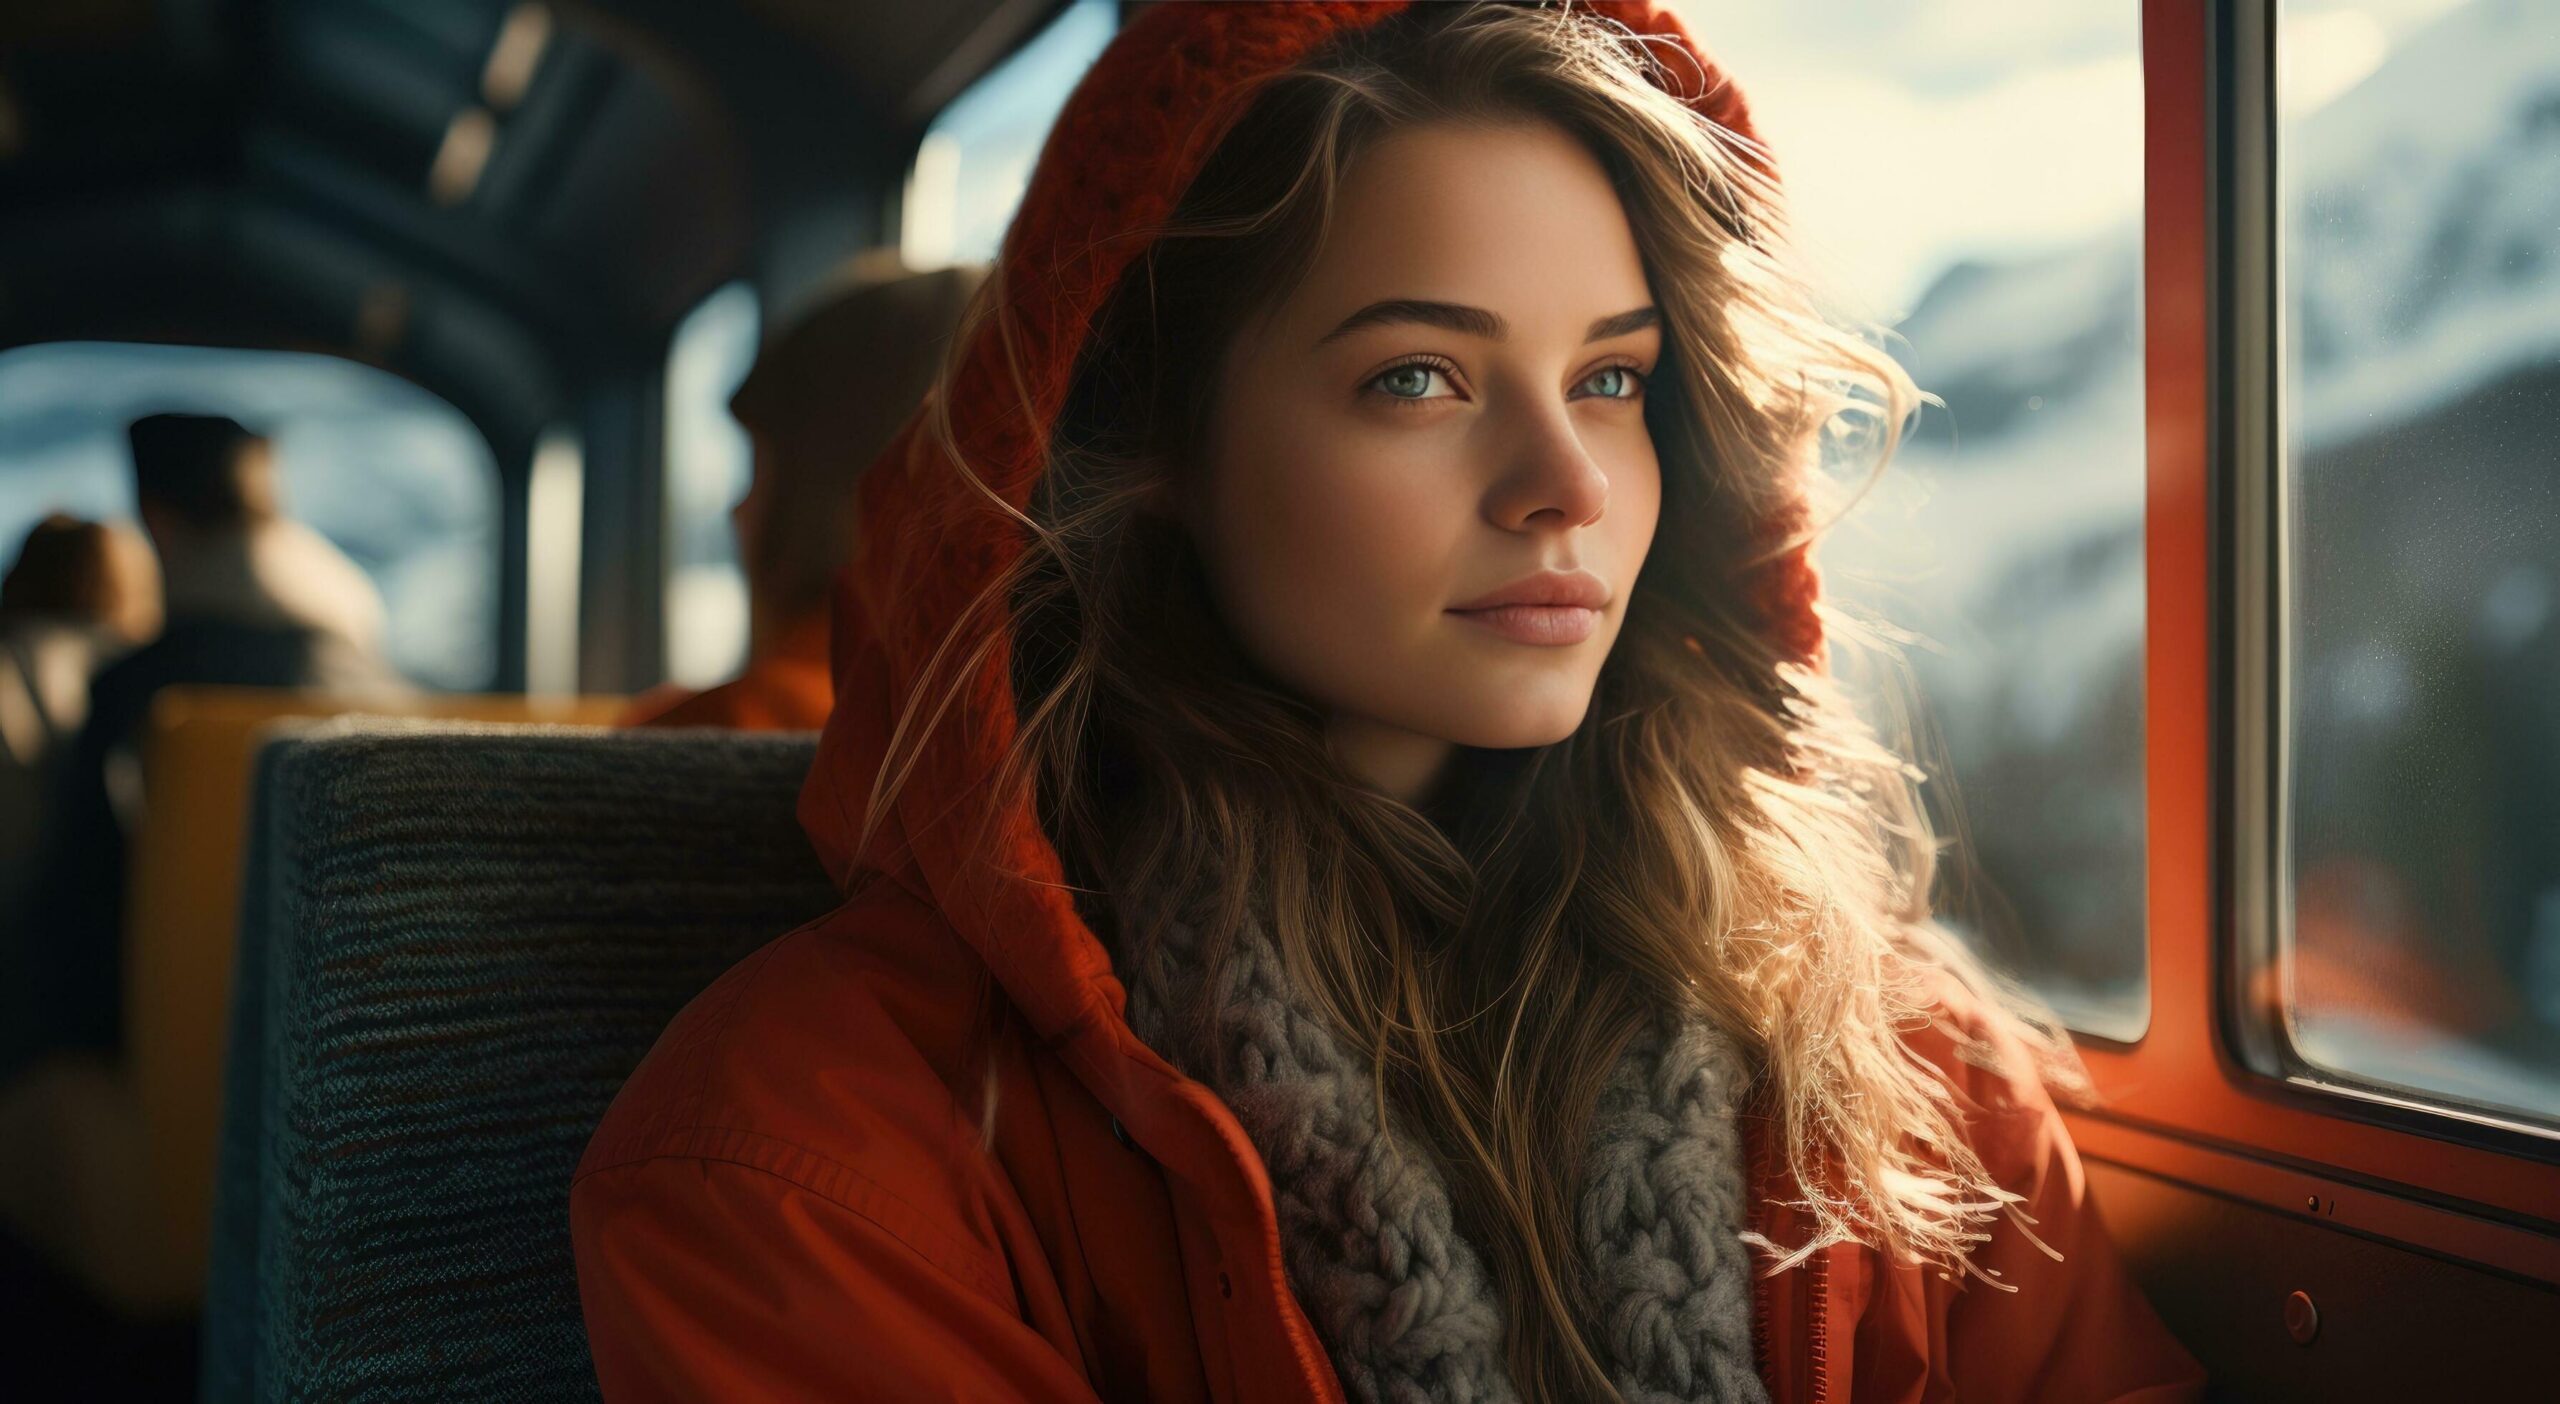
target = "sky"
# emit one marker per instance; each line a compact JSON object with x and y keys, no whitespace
{"x":1912,"y":133}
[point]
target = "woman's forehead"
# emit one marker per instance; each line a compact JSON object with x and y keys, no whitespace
{"x":1519,"y":220}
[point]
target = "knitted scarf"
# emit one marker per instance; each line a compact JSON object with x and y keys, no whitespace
{"x":1402,"y":1301}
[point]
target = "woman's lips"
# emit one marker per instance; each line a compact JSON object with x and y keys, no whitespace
{"x":1548,"y":626}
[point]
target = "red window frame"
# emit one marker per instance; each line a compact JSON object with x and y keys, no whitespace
{"x":2182,"y":1102}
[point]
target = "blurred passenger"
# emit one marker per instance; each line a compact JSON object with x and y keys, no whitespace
{"x":254,"y":599}
{"x":822,"y":401}
{"x":80,"y":594}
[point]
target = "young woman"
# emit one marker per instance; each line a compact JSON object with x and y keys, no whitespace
{"x":1360,"y":884}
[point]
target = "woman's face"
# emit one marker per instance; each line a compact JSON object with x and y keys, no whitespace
{"x":1429,"y":486}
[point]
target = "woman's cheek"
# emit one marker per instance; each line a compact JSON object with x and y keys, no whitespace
{"x":1636,"y":502}
{"x":1339,"y":562}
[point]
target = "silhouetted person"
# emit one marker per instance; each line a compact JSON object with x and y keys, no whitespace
{"x":255,"y":599}
{"x":821,"y":402}
{"x":80,"y":594}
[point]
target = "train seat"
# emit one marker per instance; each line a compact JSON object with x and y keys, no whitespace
{"x":107,"y":1164}
{"x":184,"y":904}
{"x":456,"y":942}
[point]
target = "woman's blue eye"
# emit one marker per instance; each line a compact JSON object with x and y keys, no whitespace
{"x":1616,"y":383}
{"x":1407,"y":382}
{"x":1414,"y":381}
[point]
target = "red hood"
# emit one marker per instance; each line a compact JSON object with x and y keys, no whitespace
{"x":1123,"y":151}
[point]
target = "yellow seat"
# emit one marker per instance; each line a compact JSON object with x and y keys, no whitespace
{"x":138,"y":1232}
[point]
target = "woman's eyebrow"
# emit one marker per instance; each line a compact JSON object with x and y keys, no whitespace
{"x":1473,"y":321}
{"x":1623,"y":323}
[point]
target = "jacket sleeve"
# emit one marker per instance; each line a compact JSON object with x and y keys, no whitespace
{"x":2074,"y":1329}
{"x":707,"y":1279}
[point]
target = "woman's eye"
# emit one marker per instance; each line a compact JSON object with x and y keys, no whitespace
{"x":1411,"y":381}
{"x":1616,"y":383}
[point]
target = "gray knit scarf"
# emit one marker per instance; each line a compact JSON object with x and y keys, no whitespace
{"x":1402,"y":1302}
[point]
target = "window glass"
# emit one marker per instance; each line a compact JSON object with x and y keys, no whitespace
{"x":708,"y":461}
{"x":2418,"y":165}
{"x":392,"y":476}
{"x":1970,"y":174}
{"x":977,"y":156}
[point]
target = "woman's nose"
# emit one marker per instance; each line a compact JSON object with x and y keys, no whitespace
{"x":1552,"y":480}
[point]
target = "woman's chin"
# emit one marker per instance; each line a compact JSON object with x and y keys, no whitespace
{"x":1513,"y":723}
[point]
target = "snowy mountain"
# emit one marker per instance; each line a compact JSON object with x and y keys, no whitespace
{"x":2422,"y":267}
{"x":2422,"y":255}
{"x":2423,"y":224}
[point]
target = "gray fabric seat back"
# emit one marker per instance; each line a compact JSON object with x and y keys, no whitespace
{"x":456,"y":943}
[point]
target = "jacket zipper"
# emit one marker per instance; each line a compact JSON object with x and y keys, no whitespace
{"x":1817,"y":1341}
{"x":1760,"y":1332}
{"x":1817,"y":1330}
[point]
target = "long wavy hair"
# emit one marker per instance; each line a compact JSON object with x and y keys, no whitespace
{"x":1722,"y":837}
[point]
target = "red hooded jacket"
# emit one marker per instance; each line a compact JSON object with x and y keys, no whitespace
{"x":787,"y":688}
{"x":788,"y":1201}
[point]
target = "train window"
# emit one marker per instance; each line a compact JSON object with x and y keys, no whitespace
{"x":707,"y":467}
{"x":2416,"y":570}
{"x":976,"y":158}
{"x":399,"y":481}
{"x":555,"y":497}
{"x":1997,"y":229}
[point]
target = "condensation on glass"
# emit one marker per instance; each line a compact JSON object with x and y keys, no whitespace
{"x":2418,"y":180}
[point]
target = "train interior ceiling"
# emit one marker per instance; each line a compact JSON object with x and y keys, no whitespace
{"x":511,"y":206}
{"x":487,"y":272}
